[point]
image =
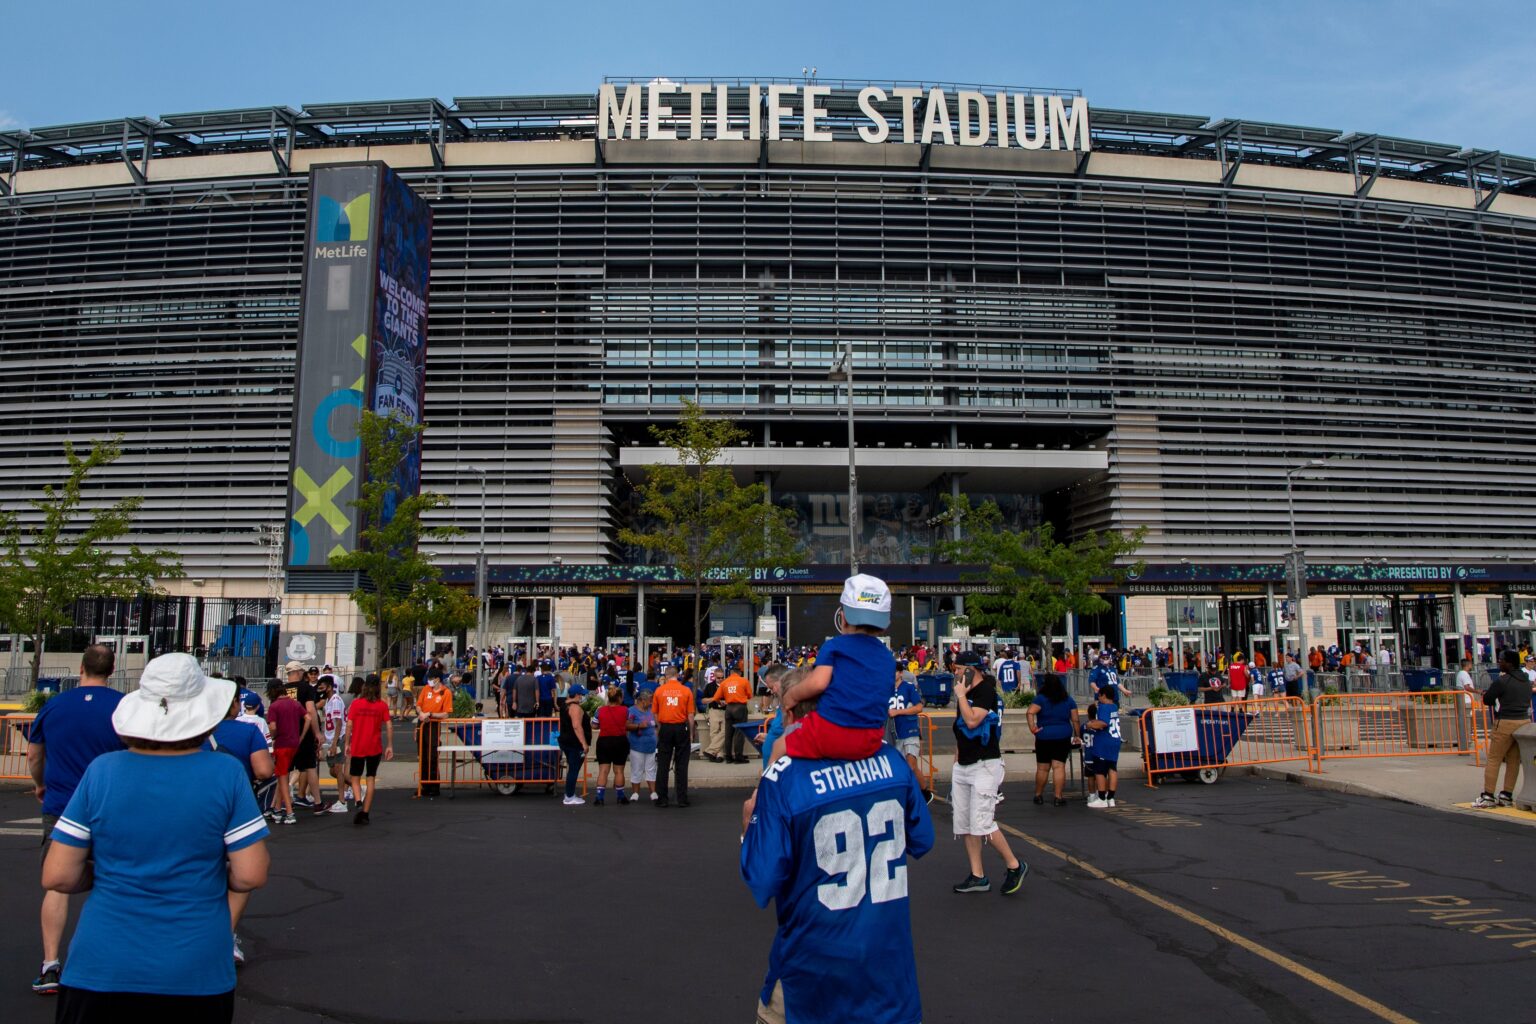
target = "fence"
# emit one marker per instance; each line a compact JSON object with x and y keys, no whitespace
{"x":925,"y":730}
{"x":1204,"y":738}
{"x":13,"y":746}
{"x":503,"y":753}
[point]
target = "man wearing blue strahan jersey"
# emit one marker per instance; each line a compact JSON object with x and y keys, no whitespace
{"x":829,"y":841}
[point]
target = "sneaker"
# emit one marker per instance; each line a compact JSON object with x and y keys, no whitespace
{"x":289,"y":819}
{"x":654,"y":798}
{"x":239,"y":953}
{"x":1060,"y":802}
{"x":1095,"y":802}
{"x":339,"y":807}
{"x":360,"y":818}
{"x":974,"y":884}
{"x":303,"y":801}
{"x":1039,"y":800}
{"x":322,"y":808}
{"x":1506,"y":799}
{"x":598,"y":802}
{"x":1485,"y":800}
{"x":1110,"y":802}
{"x":47,"y":981}
{"x":573,"y":801}
{"x":1014,"y":878}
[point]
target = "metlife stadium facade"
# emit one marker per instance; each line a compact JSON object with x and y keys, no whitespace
{"x":1103,"y":318}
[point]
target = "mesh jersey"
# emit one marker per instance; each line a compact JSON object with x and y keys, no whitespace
{"x":829,"y":841}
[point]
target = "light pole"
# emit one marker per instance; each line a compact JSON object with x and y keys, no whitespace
{"x":482,"y":616}
{"x":1299,"y":626}
{"x":842,"y":370}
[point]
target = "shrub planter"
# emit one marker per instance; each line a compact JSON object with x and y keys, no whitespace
{"x":1017,"y":739}
{"x":1431,"y":723}
{"x":1339,"y":727}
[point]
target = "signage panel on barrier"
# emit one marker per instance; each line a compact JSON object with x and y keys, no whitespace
{"x":1173,"y":730}
{"x":502,"y":733}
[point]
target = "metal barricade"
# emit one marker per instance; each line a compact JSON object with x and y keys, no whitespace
{"x":926,"y":729}
{"x":464,"y":758}
{"x":1352,"y":725}
{"x":13,"y":746}
{"x":1199,"y":740}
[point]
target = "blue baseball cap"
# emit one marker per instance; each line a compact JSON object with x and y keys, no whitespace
{"x":576,"y":690}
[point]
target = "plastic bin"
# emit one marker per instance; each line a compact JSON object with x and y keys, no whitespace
{"x":936,"y":688}
{"x":1187,"y":683}
{"x":1417,"y":680}
{"x":49,"y":684}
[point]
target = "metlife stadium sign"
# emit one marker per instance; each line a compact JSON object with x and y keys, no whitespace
{"x":694,"y":111}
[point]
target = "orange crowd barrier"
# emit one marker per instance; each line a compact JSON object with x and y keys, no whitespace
{"x":1198,"y":740}
{"x":13,"y":746}
{"x":1353,"y":725}
{"x":503,"y":753}
{"x":926,"y":729}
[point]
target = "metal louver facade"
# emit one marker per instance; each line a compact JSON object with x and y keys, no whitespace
{"x":1208,"y":335}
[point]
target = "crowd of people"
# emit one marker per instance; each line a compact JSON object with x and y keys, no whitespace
{"x":841,"y":806}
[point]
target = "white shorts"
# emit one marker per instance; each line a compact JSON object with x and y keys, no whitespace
{"x":909,"y":746}
{"x":974,"y":793}
{"x":642,"y":767}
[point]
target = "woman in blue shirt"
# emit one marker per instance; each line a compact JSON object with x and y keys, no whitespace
{"x":172,"y":830}
{"x":1053,"y":720}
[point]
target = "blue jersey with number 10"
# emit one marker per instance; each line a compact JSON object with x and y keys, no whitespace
{"x":829,"y":841}
{"x":1008,"y":674}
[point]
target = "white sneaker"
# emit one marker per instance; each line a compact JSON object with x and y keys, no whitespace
{"x":573,"y":801}
{"x":239,"y":953}
{"x":337,"y":808}
{"x":1097,"y":804}
{"x":654,"y":798}
{"x":634,"y":798}
{"x":1110,"y":802}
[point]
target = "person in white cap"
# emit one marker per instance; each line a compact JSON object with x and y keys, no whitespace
{"x":153,"y":938}
{"x":851,"y":682}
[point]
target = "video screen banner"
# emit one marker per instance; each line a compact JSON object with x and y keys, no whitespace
{"x":362,"y":345}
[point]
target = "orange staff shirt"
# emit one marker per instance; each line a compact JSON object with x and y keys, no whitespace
{"x":735,"y":690}
{"x":435,"y":700}
{"x":673,"y":703}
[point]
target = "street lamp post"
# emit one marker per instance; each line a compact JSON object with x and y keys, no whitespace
{"x":482,"y":616}
{"x":1298,"y":624}
{"x":842,"y":370}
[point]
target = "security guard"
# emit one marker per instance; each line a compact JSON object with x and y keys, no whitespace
{"x":675,"y":729}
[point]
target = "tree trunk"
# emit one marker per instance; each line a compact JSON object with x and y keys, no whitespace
{"x":698,"y":615}
{"x":37,"y":657}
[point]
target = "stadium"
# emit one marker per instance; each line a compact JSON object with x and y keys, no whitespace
{"x":1229,"y":332}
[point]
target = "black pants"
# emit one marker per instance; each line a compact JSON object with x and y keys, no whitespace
{"x":428,"y":764}
{"x":672,"y":752}
{"x":735,"y":739}
{"x":82,"y":1006}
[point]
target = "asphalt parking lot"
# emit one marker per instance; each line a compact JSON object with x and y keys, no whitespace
{"x":1245,"y":901}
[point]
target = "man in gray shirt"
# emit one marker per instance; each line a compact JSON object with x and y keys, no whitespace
{"x":525,"y":693}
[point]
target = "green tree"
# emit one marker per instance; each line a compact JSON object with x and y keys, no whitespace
{"x":713,"y":529}
{"x":50,"y":564}
{"x":407,"y":590}
{"x":1031,"y":580}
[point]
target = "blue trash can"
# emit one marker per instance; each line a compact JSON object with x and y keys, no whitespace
{"x":49,"y":684}
{"x":1417,"y":680}
{"x":1187,"y":683}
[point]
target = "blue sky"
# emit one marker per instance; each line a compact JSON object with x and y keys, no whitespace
{"x":1439,"y":70}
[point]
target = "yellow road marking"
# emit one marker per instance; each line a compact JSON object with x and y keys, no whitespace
{"x":1322,"y":981}
{"x":1508,"y":812}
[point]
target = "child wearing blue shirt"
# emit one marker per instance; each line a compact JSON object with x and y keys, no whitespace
{"x":1101,"y":748}
{"x":851,"y":682}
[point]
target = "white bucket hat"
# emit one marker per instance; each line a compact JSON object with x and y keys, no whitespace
{"x":174,"y":701}
{"x":866,"y":601}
